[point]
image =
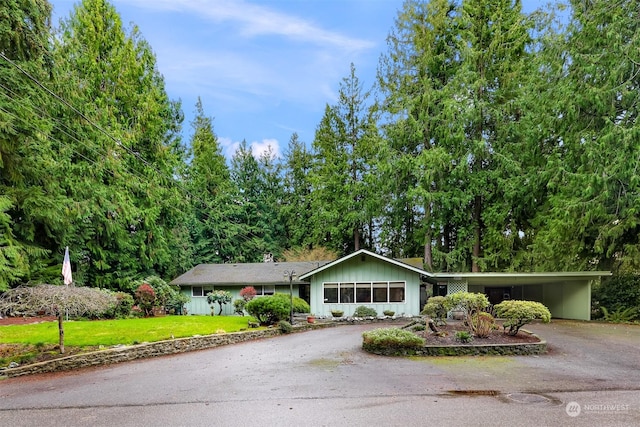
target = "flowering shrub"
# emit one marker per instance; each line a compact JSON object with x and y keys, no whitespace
{"x":145,"y":298}
{"x":248,"y":293}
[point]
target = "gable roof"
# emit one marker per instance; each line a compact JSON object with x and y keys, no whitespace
{"x":368,"y":253}
{"x":259,"y":273}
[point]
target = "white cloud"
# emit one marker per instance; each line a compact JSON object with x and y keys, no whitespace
{"x":229,"y":147}
{"x":256,"y":20}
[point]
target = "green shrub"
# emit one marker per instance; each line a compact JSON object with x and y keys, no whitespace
{"x":519,"y":313}
{"x":268,"y":310}
{"x":437,"y":309}
{"x":464,"y":336}
{"x":239,"y":305}
{"x":482,"y":324}
{"x":124,"y":303}
{"x":620,"y":315}
{"x":363,"y":311}
{"x":299,"y":305}
{"x":391,"y":340}
{"x":619,"y":292}
{"x":161,"y":289}
{"x":285,"y":327}
{"x":389,"y":313}
{"x":176,"y":304}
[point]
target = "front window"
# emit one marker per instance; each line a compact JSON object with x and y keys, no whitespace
{"x":200,"y":291}
{"x":262,"y":290}
{"x":364,"y":292}
{"x":346,"y":292}
{"x":330,"y":293}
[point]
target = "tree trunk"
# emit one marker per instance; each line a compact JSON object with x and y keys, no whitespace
{"x":61,"y":331}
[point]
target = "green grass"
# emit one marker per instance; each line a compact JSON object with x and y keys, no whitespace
{"x":126,"y":331}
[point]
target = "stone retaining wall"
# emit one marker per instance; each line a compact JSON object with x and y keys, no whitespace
{"x":523,"y":349}
{"x":138,"y":351}
{"x":161,"y":348}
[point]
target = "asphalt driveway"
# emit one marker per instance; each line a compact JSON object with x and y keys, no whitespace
{"x":590,"y":376}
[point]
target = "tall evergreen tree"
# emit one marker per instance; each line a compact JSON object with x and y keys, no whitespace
{"x":591,"y":218}
{"x":260,"y":193}
{"x":31,"y":202}
{"x":345,"y":143}
{"x":209,"y":183}
{"x":451,"y":82}
{"x":296,"y":209}
{"x":123,"y":151}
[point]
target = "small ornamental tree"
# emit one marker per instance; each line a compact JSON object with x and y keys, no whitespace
{"x":59,"y":301}
{"x":248,"y":293}
{"x":238,"y":306}
{"x":519,"y":313}
{"x":221,"y":297}
{"x":437,"y":308}
{"x":470,"y":303}
{"x":145,"y":297}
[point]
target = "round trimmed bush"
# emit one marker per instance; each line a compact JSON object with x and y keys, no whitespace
{"x":363,"y":311}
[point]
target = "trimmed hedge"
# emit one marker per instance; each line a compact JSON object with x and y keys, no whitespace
{"x":391,"y":341}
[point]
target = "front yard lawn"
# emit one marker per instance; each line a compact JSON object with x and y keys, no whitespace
{"x":125,"y":331}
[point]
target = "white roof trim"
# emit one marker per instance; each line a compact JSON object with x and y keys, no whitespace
{"x":564,"y":274}
{"x":371,"y":254}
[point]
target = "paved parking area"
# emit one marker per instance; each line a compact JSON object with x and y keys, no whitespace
{"x":590,"y":376}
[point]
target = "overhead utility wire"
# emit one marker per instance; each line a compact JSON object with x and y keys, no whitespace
{"x":246,"y":238}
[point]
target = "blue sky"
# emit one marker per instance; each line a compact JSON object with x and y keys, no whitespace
{"x":263,"y":68}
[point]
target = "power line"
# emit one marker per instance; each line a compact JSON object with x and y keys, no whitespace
{"x":118,"y":143}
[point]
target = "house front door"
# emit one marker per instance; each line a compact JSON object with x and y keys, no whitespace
{"x":497,"y":295}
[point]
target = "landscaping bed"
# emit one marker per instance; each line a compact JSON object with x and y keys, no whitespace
{"x":447,"y":343}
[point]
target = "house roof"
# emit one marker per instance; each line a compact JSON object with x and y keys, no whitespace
{"x":270,"y":273}
{"x":519,"y":278}
{"x":368,"y":253}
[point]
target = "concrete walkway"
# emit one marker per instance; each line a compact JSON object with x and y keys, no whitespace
{"x":591,"y":376}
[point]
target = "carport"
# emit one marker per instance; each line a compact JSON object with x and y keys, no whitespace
{"x":566,"y":294}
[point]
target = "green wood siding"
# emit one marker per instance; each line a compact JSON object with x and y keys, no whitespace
{"x":366,"y":269}
{"x":199,"y":305}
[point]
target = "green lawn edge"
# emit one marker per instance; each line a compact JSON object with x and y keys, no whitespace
{"x":85,"y":333}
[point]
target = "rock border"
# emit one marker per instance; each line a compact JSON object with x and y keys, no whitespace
{"x":516,"y":349}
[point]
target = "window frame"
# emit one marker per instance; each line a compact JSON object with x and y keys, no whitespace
{"x":350,"y":295}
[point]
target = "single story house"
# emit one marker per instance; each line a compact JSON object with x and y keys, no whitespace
{"x":366,"y":278}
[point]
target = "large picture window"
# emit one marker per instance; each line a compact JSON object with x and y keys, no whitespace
{"x":363,"y":292}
